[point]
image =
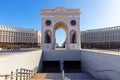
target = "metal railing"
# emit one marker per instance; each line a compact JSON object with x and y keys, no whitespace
{"x":18,"y":50}
{"x":20,"y":74}
{"x":5,"y":77}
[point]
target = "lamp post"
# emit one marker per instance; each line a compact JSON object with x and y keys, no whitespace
{"x":32,"y":41}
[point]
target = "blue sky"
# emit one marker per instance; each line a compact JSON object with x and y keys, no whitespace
{"x":26,"y":13}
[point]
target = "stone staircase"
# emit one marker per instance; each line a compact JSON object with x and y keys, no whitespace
{"x":78,"y":76}
{"x":58,"y":76}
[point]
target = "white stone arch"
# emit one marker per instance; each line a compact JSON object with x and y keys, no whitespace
{"x":61,"y":16}
{"x":63,"y":26}
{"x":73,"y":36}
{"x":48,"y":36}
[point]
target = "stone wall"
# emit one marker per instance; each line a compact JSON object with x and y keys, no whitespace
{"x":101,"y":64}
{"x":27,"y":60}
{"x":61,"y":55}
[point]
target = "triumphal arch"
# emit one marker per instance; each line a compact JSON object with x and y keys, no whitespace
{"x":60,"y":17}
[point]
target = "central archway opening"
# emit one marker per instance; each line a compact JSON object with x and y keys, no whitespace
{"x":60,"y":36}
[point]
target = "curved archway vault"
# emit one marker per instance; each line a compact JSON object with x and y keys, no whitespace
{"x":60,"y":25}
{"x":60,"y":18}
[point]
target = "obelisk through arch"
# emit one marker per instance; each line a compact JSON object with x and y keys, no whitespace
{"x":60,"y":17}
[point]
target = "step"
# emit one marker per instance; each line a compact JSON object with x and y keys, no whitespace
{"x":40,"y":79}
{"x":61,"y":79}
{"x":77,"y":76}
{"x":48,"y":76}
{"x":58,"y":76}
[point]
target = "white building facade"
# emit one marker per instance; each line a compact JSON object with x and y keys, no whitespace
{"x":22,"y":36}
{"x":101,"y":38}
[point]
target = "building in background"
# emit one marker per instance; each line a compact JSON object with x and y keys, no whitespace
{"x":12,"y":37}
{"x":104,"y":38}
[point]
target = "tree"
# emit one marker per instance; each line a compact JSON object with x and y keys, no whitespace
{"x":3,"y":45}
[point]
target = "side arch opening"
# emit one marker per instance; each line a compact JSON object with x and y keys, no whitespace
{"x":48,"y":36}
{"x":73,"y":36}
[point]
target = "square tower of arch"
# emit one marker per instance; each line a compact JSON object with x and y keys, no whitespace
{"x":60,"y":17}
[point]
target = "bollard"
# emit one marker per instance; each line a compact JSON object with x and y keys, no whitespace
{"x":21,"y":74}
{"x":5,"y":77}
{"x":16,"y":74}
{"x":63,"y":75}
{"x":12,"y":75}
{"x":29,"y":74}
{"x":34,"y":71}
{"x":24,"y":75}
